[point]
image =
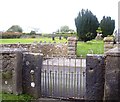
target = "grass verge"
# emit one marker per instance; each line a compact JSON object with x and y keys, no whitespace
{"x":7,"y":97}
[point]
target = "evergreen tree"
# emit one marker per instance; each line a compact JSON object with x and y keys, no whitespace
{"x":15,"y":28}
{"x":107,"y":26}
{"x":86,"y":25}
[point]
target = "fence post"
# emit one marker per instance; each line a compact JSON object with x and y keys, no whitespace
{"x":32,"y":64}
{"x":72,"y":46}
{"x":112,"y":75}
{"x":95,"y":70}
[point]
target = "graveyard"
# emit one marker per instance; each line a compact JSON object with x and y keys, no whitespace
{"x":57,"y":67}
{"x":63,"y":66}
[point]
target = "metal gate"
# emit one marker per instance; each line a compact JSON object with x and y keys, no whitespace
{"x":63,"y":78}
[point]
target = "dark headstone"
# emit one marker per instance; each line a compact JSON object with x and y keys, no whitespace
{"x":53,"y":38}
{"x":60,"y":37}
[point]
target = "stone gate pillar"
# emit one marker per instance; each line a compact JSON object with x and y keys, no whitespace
{"x":95,"y":71}
{"x":108,"y":43}
{"x":72,"y":46}
{"x":32,"y":64}
{"x":112,"y":76}
{"x":11,"y":70}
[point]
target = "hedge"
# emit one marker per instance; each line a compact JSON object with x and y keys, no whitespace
{"x":10,"y":35}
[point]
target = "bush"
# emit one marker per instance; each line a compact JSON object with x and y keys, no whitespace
{"x":11,"y":35}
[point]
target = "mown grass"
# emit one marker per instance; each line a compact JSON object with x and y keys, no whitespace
{"x":31,"y":40}
{"x":90,"y":47}
{"x":7,"y":97}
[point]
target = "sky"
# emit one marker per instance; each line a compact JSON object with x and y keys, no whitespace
{"x":49,"y":15}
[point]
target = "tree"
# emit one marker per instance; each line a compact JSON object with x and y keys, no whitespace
{"x":86,"y":25}
{"x":32,"y":32}
{"x":64,"y":29}
{"x":107,"y":26}
{"x":15,"y":28}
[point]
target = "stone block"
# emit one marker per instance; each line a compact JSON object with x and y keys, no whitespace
{"x":112,"y":76}
{"x":11,"y":70}
{"x":95,"y":71}
{"x":32,"y":65}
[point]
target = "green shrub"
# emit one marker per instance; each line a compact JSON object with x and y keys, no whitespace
{"x":7,"y":97}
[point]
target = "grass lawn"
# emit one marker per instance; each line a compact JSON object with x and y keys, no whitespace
{"x":30,"y":40}
{"x":90,"y":47}
{"x":14,"y":98}
{"x":83,"y":48}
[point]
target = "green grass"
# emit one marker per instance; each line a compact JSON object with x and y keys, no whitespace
{"x":30,"y":40}
{"x":7,"y":97}
{"x":90,"y":47}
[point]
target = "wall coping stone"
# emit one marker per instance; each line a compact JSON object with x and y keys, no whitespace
{"x":108,"y":39}
{"x":113,"y":52}
{"x":72,"y":39}
{"x":11,"y":50}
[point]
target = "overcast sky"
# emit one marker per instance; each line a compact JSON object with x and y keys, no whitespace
{"x":49,"y":15}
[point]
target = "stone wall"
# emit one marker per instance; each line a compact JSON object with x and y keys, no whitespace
{"x":109,"y":43}
{"x":103,"y":76}
{"x":50,"y":49}
{"x":47,"y":49}
{"x":20,"y":71}
{"x":11,"y":70}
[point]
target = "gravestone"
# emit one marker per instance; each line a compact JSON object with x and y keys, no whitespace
{"x":53,"y":38}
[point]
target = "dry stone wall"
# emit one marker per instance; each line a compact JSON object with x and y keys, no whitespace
{"x":47,"y":49}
